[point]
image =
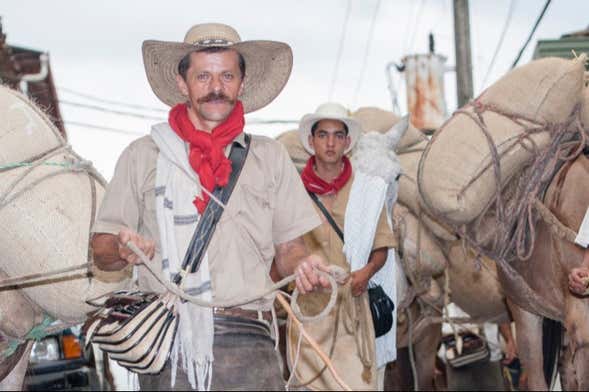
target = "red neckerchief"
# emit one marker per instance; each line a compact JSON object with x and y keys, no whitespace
{"x":206,"y":154}
{"x":314,"y":184}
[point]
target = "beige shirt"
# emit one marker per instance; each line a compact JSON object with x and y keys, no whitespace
{"x":268,"y":206}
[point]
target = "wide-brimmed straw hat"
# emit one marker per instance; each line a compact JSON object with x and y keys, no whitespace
{"x":268,"y":64}
{"x":329,"y":111}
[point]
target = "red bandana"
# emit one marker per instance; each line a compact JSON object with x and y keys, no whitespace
{"x":206,"y":155}
{"x":313,"y":183}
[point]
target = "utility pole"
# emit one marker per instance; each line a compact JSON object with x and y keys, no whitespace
{"x":462,"y":46}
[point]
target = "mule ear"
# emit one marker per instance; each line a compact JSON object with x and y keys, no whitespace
{"x":397,"y":131}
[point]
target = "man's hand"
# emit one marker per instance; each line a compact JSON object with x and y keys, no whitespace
{"x":147,"y":246}
{"x":307,"y":274}
{"x":578,"y":280}
{"x":510,"y":352}
{"x":360,"y":280}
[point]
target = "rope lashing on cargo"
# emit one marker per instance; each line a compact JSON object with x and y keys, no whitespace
{"x":516,"y":216}
{"x":335,"y":275}
{"x":76,"y":164}
{"x":515,"y":234}
{"x":36,"y":333}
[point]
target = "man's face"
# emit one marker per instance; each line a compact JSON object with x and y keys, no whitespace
{"x":213,"y":83}
{"x":329,"y":141}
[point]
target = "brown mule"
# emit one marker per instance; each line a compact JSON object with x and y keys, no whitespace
{"x":546,"y":273}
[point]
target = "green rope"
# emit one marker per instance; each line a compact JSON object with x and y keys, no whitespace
{"x":36,"y":333}
{"x":23,"y":164}
{"x":39,"y":331}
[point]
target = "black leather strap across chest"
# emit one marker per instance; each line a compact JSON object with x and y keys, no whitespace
{"x":213,"y":211}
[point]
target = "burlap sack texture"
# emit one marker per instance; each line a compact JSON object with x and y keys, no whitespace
{"x":46,"y":227}
{"x":409,"y":151}
{"x":379,"y":120}
{"x":545,"y":90}
{"x":432,"y":260}
{"x":585,"y":108}
{"x":476,"y":290}
{"x":409,"y":194}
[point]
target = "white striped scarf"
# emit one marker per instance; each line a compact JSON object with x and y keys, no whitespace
{"x":176,"y":186}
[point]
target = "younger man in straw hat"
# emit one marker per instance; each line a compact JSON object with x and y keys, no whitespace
{"x":347,"y":332}
{"x":163,"y":183}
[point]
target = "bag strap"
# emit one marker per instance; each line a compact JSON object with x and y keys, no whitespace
{"x":328,"y":216}
{"x":213,"y":211}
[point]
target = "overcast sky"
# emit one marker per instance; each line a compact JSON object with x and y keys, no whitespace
{"x":95,"y":48}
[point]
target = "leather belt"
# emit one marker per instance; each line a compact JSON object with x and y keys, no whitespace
{"x":265,"y":315}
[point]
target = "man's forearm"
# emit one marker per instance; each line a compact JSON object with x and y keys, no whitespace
{"x":289,"y":255}
{"x":376,"y":261}
{"x":586,"y":259}
{"x":105,"y":249}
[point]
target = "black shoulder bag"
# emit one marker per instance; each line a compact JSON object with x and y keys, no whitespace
{"x":137,"y":329}
{"x":381,"y":306}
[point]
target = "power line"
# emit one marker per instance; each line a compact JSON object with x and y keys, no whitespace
{"x":269,"y":121}
{"x":147,"y":117}
{"x":417,"y":22}
{"x":366,"y":51}
{"x":340,"y":50}
{"x":112,"y":111}
{"x":531,"y":33}
{"x":110,"y":102}
{"x":103,"y":128}
{"x":500,"y":42}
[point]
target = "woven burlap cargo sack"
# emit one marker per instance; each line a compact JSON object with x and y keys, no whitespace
{"x":379,"y":120}
{"x":292,"y":141}
{"x":409,"y":195}
{"x":475,"y":287}
{"x":585,"y":108}
{"x":48,"y":200}
{"x":456,"y":177}
{"x":432,"y":261}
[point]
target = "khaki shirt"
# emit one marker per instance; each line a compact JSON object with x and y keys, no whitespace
{"x":268,"y":206}
{"x":346,"y":333}
{"x":324,"y":240}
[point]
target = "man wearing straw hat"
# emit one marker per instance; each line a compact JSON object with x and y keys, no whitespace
{"x":163,"y":183}
{"x":347,"y":333}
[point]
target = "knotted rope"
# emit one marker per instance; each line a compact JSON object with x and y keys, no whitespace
{"x":516,"y":215}
{"x":336,"y":274}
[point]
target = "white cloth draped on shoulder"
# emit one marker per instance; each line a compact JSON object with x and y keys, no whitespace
{"x":582,"y":238}
{"x":366,"y":201}
{"x":176,"y":186}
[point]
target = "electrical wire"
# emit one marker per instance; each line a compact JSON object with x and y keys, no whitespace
{"x":110,"y":102}
{"x":112,"y":111}
{"x":417,"y":22}
{"x":103,"y":128}
{"x":409,"y":30}
{"x":340,"y":50}
{"x":531,"y":33}
{"x":500,"y":42}
{"x":369,"y":40}
{"x":147,"y":117}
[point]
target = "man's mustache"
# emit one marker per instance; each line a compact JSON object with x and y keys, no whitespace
{"x":215,"y":97}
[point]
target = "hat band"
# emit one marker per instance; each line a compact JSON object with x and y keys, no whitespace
{"x":213,"y":42}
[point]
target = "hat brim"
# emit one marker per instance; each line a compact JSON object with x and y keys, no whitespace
{"x":354,"y":129}
{"x":268,"y":67}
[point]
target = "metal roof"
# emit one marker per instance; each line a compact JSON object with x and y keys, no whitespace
{"x":562,"y":47}
{"x":15,"y":62}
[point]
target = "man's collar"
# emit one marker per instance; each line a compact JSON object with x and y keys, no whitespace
{"x":240,"y":139}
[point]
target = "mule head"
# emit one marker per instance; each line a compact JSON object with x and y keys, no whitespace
{"x":375,"y":155}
